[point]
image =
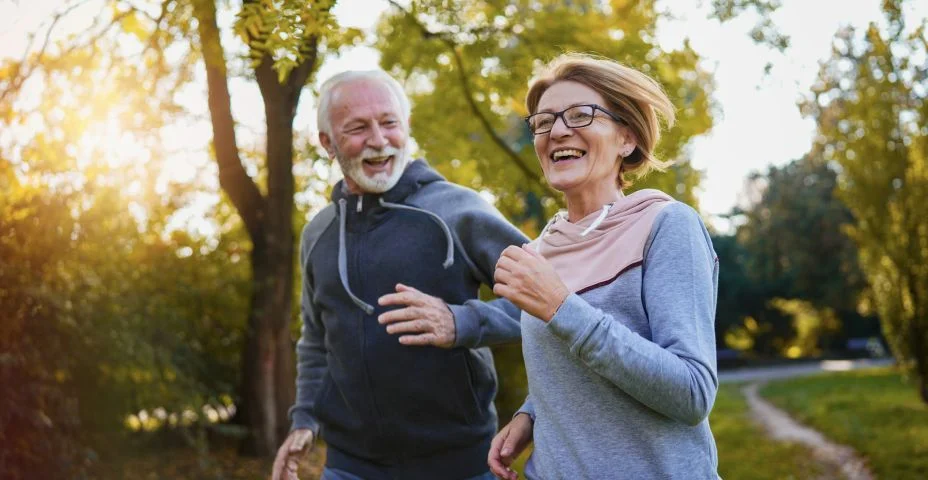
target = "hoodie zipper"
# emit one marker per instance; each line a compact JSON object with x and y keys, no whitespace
{"x":363,"y":321}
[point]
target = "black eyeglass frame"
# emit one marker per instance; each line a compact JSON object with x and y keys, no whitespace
{"x":595,"y":107}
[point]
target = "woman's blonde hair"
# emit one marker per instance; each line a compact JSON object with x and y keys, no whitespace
{"x":633,"y":96}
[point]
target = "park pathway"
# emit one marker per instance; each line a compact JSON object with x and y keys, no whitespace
{"x":840,"y":461}
{"x":780,"y":426}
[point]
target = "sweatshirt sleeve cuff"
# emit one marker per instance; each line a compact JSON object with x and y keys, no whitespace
{"x":574,"y":320}
{"x":526,"y":408}
{"x":302,"y":420}
{"x":466,"y":326}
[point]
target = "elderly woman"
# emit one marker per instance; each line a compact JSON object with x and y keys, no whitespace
{"x":618,"y":293}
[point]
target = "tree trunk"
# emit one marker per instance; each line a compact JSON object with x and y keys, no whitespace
{"x":920,"y":355}
{"x":267,"y":364}
{"x":268,"y":373}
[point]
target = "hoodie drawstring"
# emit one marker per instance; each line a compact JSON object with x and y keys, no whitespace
{"x":599,"y":219}
{"x":343,"y":259}
{"x":343,"y":255}
{"x":449,"y":257}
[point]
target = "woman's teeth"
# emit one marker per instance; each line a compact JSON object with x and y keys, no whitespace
{"x":566,"y":154}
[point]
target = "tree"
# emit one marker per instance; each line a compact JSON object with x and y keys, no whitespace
{"x":155,"y":50}
{"x":871,"y":110}
{"x":468,"y":65}
{"x":795,"y":245}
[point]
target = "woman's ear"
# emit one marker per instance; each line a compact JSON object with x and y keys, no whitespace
{"x":630,"y":142}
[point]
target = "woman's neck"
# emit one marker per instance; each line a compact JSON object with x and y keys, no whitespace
{"x":585,"y":202}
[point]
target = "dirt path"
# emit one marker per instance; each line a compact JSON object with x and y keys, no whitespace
{"x":838,"y":459}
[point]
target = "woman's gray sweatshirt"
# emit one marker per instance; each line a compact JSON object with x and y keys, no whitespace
{"x":621,"y":381}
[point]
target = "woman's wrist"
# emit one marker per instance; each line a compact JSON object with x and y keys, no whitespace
{"x":554,"y":306}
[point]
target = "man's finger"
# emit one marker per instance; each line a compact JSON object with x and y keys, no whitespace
{"x":412,"y":326}
{"x":406,"y":288}
{"x":401,"y":298}
{"x":299,"y":441}
{"x":280,"y":461}
{"x":419,"y":340}
{"x":277,"y":469}
{"x":399,"y":315}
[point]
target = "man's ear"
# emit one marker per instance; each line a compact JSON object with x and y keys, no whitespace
{"x":326,"y":143}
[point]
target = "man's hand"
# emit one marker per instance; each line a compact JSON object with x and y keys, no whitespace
{"x":425,"y":320}
{"x":294,"y":448}
{"x":508,"y":444}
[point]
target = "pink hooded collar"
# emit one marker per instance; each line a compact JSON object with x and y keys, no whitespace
{"x":609,"y":249}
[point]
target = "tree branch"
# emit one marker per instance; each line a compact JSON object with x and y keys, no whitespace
{"x":472,"y":103}
{"x":19,"y":75}
{"x":234,"y":180}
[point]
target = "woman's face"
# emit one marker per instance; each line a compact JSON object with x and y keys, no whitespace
{"x":584,"y":158}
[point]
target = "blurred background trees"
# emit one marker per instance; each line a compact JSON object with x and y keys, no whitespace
{"x":872,"y":115}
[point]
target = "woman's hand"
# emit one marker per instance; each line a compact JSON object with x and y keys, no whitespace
{"x":508,"y":444}
{"x":529,"y":281}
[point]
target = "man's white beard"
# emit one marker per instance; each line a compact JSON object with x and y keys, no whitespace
{"x":381,"y":182}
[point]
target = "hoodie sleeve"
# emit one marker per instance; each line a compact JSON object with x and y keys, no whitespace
{"x":673,"y":373}
{"x":481,"y":233}
{"x":312,"y":366}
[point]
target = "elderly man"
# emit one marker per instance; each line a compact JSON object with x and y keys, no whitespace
{"x":393,"y":368}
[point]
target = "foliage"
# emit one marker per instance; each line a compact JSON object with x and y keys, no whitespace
{"x":871,"y":110}
{"x":741,"y":300}
{"x":790,"y":245}
{"x":39,"y":422}
{"x":872,"y":411}
{"x":793,"y":232}
{"x":116,"y":301}
{"x":764,"y":32}
{"x":105,"y":319}
{"x":790,"y":280}
{"x":467,"y":65}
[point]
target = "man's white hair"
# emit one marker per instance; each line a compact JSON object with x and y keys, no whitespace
{"x":328,"y":89}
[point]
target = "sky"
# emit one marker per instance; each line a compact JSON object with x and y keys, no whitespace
{"x":758,"y":122}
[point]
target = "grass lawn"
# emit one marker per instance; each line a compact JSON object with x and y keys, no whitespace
{"x":875,"y":411}
{"x":745,"y":452}
{"x":145,"y":461}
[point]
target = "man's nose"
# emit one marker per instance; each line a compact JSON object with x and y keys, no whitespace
{"x":377,"y":139}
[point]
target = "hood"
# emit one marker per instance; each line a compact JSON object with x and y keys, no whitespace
{"x":601,"y":246}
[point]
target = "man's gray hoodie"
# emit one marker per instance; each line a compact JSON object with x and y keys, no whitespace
{"x":422,"y":412}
